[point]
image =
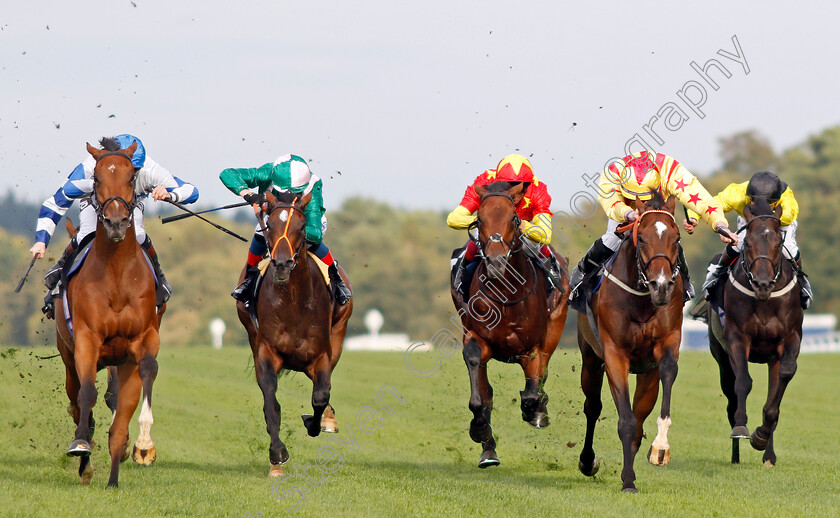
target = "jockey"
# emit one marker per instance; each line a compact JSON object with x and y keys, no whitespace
{"x":735,"y":197}
{"x":534,"y":211}
{"x":289,"y":173}
{"x":636,"y":175}
{"x":151,"y":178}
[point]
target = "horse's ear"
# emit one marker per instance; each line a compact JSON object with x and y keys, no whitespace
{"x":671,"y":204}
{"x":269,"y":196}
{"x":480,"y":190}
{"x":303,"y":202}
{"x":517,"y":192}
{"x":748,"y":213}
{"x":778,"y":211}
{"x":130,"y":149}
{"x":94,"y":152}
{"x":639,"y":205}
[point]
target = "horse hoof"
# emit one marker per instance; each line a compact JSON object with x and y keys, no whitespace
{"x":276,"y":471}
{"x":488,"y":458}
{"x":78,"y":448}
{"x":740,"y":432}
{"x":540,"y":420}
{"x":144,"y":456}
{"x":590,"y":471}
{"x":483,"y":434}
{"x":308,"y":421}
{"x":757,"y":441}
{"x":630,"y":489}
{"x":769,"y":463}
{"x":659,"y":457}
{"x":329,"y":425}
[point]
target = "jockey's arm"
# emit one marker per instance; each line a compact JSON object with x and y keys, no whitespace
{"x":612,"y":202}
{"x":460,"y":218}
{"x":538,"y":229}
{"x":679,"y":182}
{"x":313,"y":212}
{"x":246,"y":178}
{"x":163,"y":185}
{"x":790,"y":207}
{"x":78,"y":185}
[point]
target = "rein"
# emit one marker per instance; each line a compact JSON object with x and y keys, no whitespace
{"x":642,"y":267}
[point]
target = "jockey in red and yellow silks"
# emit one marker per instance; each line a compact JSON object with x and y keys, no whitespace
{"x":534,"y":210}
{"x":635,"y":176}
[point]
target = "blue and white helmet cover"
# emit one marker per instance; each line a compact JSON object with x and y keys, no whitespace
{"x":125,"y":140}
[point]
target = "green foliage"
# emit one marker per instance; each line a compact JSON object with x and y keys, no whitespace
{"x":212,"y":446}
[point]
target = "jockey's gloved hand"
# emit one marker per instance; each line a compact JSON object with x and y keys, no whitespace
{"x":254,"y":198}
{"x":726,"y":235}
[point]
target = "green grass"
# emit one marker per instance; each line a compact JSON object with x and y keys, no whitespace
{"x":213,"y":460}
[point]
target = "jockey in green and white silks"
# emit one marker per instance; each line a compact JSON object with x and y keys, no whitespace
{"x":289,"y":173}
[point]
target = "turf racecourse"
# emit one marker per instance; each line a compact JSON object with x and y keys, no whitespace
{"x":212,"y":446}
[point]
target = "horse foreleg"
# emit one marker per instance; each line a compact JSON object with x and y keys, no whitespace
{"x":488,"y":447}
{"x":591,"y":381}
{"x":533,"y":397}
{"x":780,"y":375}
{"x":320,"y":376}
{"x":266,"y":366}
{"x":727,"y":385}
{"x":660,"y":450}
{"x":480,"y":430}
{"x":129,"y":394}
{"x":618,"y":369}
{"x":112,"y":391}
{"x":85,"y":369}
{"x":644,"y":399}
{"x":144,"y":451}
{"x":738,"y":355}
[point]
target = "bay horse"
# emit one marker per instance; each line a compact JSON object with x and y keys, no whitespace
{"x":627,"y":330}
{"x":522,"y":329}
{"x":762,"y":324}
{"x":115,"y":323}
{"x":299,"y":326}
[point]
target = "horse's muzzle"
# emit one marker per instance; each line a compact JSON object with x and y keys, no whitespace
{"x":282,"y":270}
{"x":116,"y":230}
{"x":496,"y":267}
{"x":661,"y":290}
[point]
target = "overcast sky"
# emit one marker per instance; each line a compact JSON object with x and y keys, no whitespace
{"x":408,"y":100}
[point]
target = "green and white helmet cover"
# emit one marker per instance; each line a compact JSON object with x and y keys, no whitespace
{"x":291,"y":173}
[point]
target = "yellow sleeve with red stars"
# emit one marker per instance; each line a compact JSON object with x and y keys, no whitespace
{"x":734,"y":197}
{"x":460,"y":218}
{"x":679,"y":182}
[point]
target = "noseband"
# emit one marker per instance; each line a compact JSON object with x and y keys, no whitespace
{"x":643,"y":266}
{"x":748,"y":265}
{"x":497,"y":238}
{"x":100,"y":208}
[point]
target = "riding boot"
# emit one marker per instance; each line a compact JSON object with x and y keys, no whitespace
{"x":688,"y":288}
{"x":463,"y":277}
{"x":165,"y":290}
{"x":717,"y":270}
{"x":554,"y":274}
{"x":342,"y":292}
{"x":244,"y":292}
{"x":806,"y":294}
{"x":53,"y":276}
{"x":594,"y":259}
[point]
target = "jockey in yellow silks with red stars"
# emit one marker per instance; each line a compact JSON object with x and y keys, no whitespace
{"x":635,"y":176}
{"x":534,"y":211}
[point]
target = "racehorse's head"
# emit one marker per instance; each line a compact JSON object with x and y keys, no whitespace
{"x":657,"y":239}
{"x":113,"y":187}
{"x":286,"y":232}
{"x":498,"y":224}
{"x":763,"y":241}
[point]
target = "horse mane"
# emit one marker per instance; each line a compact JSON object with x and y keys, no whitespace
{"x":109,"y":144}
{"x":760,"y":206}
{"x":287,"y":197}
{"x":504,"y":186}
{"x":657,"y":202}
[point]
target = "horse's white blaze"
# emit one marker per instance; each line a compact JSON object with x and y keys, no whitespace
{"x":660,"y":228}
{"x":144,"y":440}
{"x":662,"y":280}
{"x":284,"y":216}
{"x":661,"y":440}
{"x":112,"y":167}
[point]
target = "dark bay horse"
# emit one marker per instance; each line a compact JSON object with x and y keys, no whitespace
{"x":114,"y":319}
{"x":637,"y":317}
{"x":762,"y":324}
{"x":507,"y":316}
{"x":300,"y":327}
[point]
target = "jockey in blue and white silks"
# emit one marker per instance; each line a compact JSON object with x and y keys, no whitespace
{"x":152,"y":179}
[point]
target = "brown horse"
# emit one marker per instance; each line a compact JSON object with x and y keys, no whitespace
{"x":114,"y":320}
{"x":631,"y":331}
{"x":763,"y":324}
{"x":507,"y":316}
{"x":300,"y":327}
